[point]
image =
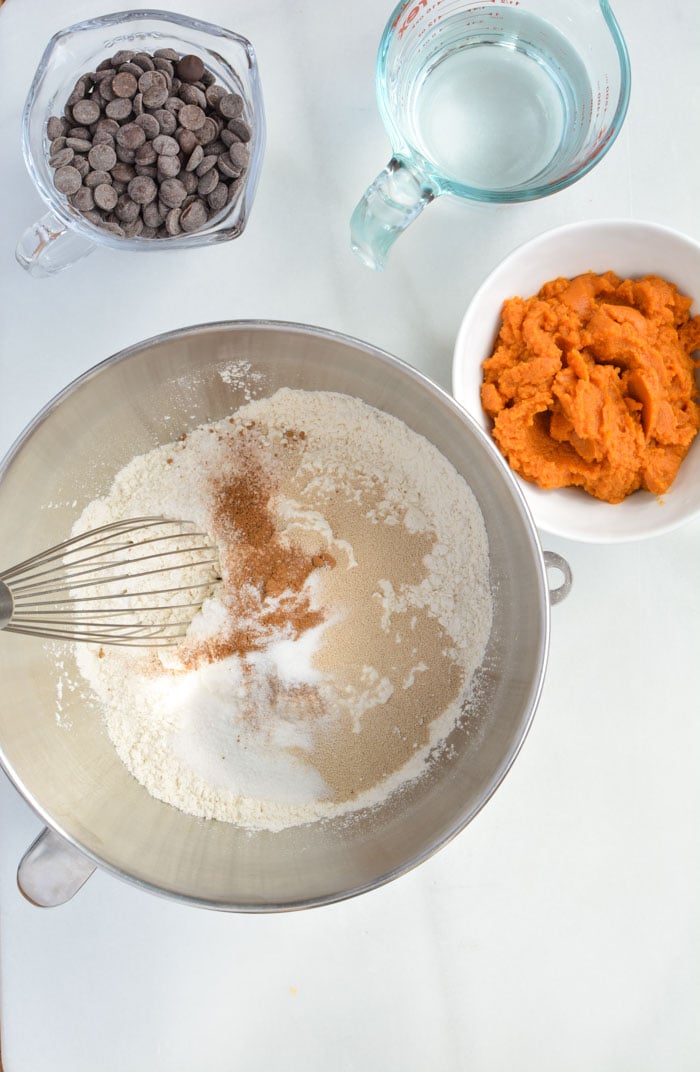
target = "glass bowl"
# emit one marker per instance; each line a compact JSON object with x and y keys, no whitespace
{"x":64,"y":234}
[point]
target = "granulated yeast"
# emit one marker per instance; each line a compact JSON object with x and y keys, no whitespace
{"x":338,"y":649}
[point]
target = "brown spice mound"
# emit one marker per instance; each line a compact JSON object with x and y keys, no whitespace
{"x":263,"y":576}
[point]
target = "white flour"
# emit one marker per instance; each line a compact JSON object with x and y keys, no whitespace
{"x":323,"y":692}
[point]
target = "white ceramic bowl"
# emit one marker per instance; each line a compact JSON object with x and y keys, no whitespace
{"x":631,"y":249}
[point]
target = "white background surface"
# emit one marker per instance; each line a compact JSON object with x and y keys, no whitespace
{"x":560,"y":932}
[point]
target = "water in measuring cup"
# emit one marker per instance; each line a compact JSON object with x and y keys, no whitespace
{"x":498,"y":111}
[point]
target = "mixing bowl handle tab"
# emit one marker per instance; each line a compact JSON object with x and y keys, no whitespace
{"x":52,"y":871}
{"x":554,"y":562}
{"x":48,"y":247}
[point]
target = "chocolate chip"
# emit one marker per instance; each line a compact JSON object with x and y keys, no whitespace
{"x":191,"y":117}
{"x":78,"y":92}
{"x":226,"y":167}
{"x":165,"y":66}
{"x":113,"y":228}
{"x":149,"y":124}
{"x":156,"y":96}
{"x":238,"y":155}
{"x":124,"y":55}
{"x":102,"y":157}
{"x":208,"y":132}
{"x":105,"y":90}
{"x":214,"y":94}
{"x":167,"y":121}
{"x":56,"y":127}
{"x":126,"y":209}
{"x":164,"y":145}
{"x":168,"y":166}
{"x":218,"y":197}
{"x":110,"y":126}
{"x":120,"y":108}
{"x":144,"y":61}
{"x":146,"y":154}
{"x":83,"y":199}
{"x":195,"y":159}
{"x":172,"y":193}
{"x":67,"y":179}
{"x":234,"y":189}
{"x":142,"y":190}
{"x":105,"y":196}
{"x":230,"y":105}
{"x":80,"y":145}
{"x":125,"y":84}
{"x":193,"y":95}
{"x":130,"y":68}
{"x":130,"y":136}
{"x":189,"y":180}
{"x":166,"y":54}
{"x":102,"y":137}
{"x":187,"y":140}
{"x":57,"y":144}
{"x":194,"y":216}
{"x":80,"y":163}
{"x":240,"y":128}
{"x":189,"y":68}
{"x":208,"y":182}
{"x":133,"y":228}
{"x":122,"y":172}
{"x":62,"y":157}
{"x":86,"y":111}
{"x":151,"y":78}
{"x":97,"y":178}
{"x":151,"y":215}
{"x":206,"y":165}
{"x":172,"y":222}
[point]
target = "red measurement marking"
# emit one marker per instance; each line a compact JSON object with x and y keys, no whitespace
{"x":412,"y":14}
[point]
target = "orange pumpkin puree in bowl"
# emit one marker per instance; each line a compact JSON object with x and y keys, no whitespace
{"x":592,"y":384}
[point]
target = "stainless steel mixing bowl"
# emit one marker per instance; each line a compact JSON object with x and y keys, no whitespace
{"x":67,"y":769}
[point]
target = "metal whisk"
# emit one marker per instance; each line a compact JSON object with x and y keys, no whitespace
{"x":137,"y":582}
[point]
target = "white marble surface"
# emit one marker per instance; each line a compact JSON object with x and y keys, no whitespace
{"x":560,"y":931}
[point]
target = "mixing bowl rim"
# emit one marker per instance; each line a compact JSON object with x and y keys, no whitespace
{"x":443,"y":398}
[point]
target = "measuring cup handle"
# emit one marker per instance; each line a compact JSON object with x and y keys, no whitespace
{"x":48,"y":247}
{"x":388,"y":206}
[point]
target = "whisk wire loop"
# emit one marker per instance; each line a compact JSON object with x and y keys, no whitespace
{"x":138,"y":581}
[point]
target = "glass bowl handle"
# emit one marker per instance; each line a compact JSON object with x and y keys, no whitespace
{"x":48,"y":246}
{"x":392,"y":202}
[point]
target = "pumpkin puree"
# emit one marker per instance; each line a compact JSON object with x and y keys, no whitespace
{"x":591,"y":384}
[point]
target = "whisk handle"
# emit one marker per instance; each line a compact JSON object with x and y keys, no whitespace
{"x":6,"y":605}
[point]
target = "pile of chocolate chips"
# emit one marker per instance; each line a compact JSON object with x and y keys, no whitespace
{"x":150,"y":145}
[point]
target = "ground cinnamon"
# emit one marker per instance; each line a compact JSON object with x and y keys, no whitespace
{"x":263,"y":576}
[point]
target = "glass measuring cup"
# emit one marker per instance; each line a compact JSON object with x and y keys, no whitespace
{"x":492,"y":101}
{"x":64,"y":235}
